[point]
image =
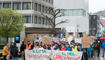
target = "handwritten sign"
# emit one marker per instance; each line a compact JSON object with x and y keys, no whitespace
{"x":42,"y":54}
{"x":46,"y":40}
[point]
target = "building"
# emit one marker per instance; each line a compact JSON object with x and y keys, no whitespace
{"x":32,"y":11}
{"x":76,"y":12}
{"x":102,"y":26}
{"x":93,"y":24}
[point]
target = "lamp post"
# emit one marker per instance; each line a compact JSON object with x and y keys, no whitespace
{"x":77,"y":30}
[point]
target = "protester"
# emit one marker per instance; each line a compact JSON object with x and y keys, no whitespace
{"x":5,"y":51}
{"x":68,"y":48}
{"x":103,"y":46}
{"x":75,"y":47}
{"x":29,"y":45}
{"x":22,"y":48}
{"x":89,"y":52}
{"x":14,"y":52}
{"x":98,"y":48}
{"x":63,"y":48}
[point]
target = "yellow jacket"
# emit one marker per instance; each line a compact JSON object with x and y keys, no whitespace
{"x":75,"y":48}
{"x":5,"y":50}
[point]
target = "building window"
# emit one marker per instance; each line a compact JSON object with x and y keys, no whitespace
{"x":17,"y":6}
{"x":36,"y":6}
{"x":74,"y":12}
{"x":43,"y":21}
{"x":51,"y":1}
{"x":46,"y":9}
{"x":27,"y":6}
{"x":35,"y":19}
{"x":42,"y":8}
{"x":39,"y":7}
{"x":39,"y":20}
{"x":27,"y":19}
{"x":0,"y":5}
{"x":6,"y":5}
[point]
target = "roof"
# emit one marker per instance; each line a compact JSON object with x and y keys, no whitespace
{"x":102,"y":21}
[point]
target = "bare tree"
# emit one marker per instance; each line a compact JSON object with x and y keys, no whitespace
{"x":55,"y":13}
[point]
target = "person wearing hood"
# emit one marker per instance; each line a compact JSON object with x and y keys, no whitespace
{"x":14,"y":52}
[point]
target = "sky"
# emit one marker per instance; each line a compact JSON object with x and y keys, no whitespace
{"x":96,"y":5}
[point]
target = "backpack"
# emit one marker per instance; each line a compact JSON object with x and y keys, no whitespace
{"x":96,"y":45}
{"x":15,"y":51}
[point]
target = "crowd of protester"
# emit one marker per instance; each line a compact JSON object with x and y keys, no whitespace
{"x":88,"y":53}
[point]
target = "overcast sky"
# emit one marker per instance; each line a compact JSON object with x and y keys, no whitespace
{"x":96,"y":5}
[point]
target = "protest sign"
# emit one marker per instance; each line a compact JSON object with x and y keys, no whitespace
{"x":46,"y":40}
{"x":66,"y":38}
{"x":42,"y":54}
{"x":77,"y":40}
{"x":28,"y":39}
{"x":39,"y":54}
{"x":85,"y":41}
{"x":55,"y":39}
{"x":66,"y":55}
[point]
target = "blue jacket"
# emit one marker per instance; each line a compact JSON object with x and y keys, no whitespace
{"x":68,"y":48}
{"x":103,"y":45}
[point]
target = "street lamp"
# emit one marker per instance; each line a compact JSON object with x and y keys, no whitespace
{"x":77,"y":30}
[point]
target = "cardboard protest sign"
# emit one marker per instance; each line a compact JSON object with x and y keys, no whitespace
{"x":28,"y":39}
{"x":85,"y":41}
{"x":42,"y":54}
{"x":66,"y":38}
{"x":46,"y":40}
{"x":55,"y":39}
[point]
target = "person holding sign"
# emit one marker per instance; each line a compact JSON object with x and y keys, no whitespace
{"x":28,"y":45}
{"x":68,"y":48}
{"x":63,"y":48}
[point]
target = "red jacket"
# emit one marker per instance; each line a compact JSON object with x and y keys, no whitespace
{"x":63,"y":49}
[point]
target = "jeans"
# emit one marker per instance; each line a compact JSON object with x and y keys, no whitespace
{"x":103,"y":52}
{"x":14,"y":58}
{"x":89,"y":56}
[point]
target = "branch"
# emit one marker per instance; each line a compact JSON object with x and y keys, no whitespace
{"x":47,"y":18}
{"x":61,"y":22}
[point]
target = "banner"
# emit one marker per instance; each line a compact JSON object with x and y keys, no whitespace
{"x":42,"y":54}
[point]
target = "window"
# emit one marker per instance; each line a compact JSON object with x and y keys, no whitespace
{"x":35,"y":19}
{"x":28,"y":19}
{"x":43,"y":21}
{"x":42,"y":8}
{"x":6,"y":5}
{"x":46,"y":9}
{"x":27,"y":6}
{"x":51,"y":1}
{"x":0,"y":5}
{"x":39,"y":20}
{"x":74,"y":12}
{"x":36,"y":6}
{"x":39,"y":7}
{"x":17,"y":6}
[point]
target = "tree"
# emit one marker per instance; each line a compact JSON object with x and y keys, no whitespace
{"x":11,"y":23}
{"x":55,"y":13}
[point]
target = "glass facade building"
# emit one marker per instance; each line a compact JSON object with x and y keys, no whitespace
{"x":39,"y":6}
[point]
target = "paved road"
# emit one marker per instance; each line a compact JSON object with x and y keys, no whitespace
{"x":100,"y":58}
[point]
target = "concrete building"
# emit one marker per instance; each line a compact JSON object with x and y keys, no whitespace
{"x":76,"y":12}
{"x":32,"y":11}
